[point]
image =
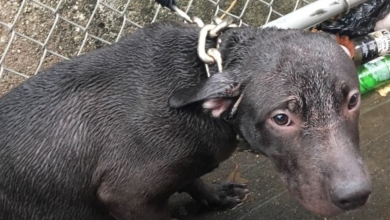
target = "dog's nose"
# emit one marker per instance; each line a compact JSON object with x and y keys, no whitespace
{"x":351,"y":195}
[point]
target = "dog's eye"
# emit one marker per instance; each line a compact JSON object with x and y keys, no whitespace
{"x":282,"y":119}
{"x":353,"y":101}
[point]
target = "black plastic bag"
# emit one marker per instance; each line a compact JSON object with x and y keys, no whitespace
{"x":360,"y":20}
{"x":167,"y":3}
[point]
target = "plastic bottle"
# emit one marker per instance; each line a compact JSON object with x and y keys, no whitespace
{"x":373,"y":74}
{"x":371,"y":46}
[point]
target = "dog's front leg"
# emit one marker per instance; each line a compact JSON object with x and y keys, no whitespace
{"x":224,"y":195}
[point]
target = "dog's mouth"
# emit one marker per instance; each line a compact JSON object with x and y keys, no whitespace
{"x":322,"y":208}
{"x":314,"y":197}
{"x":315,"y":200}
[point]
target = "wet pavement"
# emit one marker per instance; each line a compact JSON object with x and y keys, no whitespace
{"x":270,"y":199}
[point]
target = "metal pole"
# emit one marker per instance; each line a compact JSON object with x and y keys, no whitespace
{"x":313,"y":14}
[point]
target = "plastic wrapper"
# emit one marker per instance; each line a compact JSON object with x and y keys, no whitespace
{"x":359,"y":21}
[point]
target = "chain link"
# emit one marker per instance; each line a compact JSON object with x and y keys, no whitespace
{"x":211,"y":31}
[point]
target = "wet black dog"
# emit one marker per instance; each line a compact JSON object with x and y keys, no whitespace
{"x":114,"y":133}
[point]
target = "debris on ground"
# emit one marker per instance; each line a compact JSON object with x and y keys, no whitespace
{"x":236,"y":177}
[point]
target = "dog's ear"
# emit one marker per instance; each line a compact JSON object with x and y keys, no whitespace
{"x":216,"y":93}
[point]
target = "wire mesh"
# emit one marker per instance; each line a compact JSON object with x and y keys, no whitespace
{"x":35,"y":34}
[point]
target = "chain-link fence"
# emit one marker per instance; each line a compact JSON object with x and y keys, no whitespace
{"x":35,"y":34}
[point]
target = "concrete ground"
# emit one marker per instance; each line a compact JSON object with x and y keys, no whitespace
{"x":271,"y":201}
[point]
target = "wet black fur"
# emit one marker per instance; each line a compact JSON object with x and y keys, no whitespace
{"x":94,"y":137}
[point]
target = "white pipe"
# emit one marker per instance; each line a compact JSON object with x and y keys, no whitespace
{"x":313,"y":14}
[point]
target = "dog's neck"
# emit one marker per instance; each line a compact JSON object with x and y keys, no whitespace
{"x":235,"y":48}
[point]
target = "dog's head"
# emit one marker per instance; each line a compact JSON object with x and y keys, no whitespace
{"x":300,"y":107}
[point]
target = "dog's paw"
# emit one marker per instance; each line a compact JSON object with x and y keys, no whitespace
{"x":227,"y":195}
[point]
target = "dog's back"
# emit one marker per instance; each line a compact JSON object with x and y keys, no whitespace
{"x":64,"y":129}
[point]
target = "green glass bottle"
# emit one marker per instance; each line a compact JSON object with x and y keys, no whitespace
{"x":374,"y":73}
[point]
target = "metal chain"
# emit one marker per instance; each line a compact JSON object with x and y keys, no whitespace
{"x":213,"y":30}
{"x":212,"y":56}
